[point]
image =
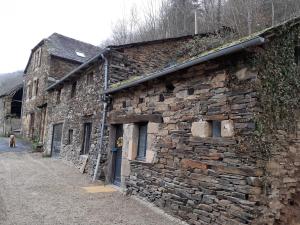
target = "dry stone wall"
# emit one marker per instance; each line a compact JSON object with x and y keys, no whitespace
{"x":201,"y":179}
{"x":84,"y":107}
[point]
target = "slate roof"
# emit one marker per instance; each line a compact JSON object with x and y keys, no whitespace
{"x":65,"y":47}
{"x":257,"y":38}
{"x":10,"y":83}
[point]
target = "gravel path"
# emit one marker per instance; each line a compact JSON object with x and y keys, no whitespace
{"x":38,"y":191}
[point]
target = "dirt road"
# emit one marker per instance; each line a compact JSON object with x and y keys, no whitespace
{"x":38,"y":191}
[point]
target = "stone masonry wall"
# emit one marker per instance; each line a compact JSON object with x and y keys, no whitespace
{"x":50,"y":67}
{"x":140,"y":59}
{"x":60,"y":67}
{"x":202,"y":180}
{"x":86,"y":106}
{"x":30,"y":105}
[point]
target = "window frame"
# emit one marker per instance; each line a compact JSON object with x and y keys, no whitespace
{"x":90,"y":78}
{"x":73,"y":89}
{"x":70,"y":136}
{"x":141,"y":156}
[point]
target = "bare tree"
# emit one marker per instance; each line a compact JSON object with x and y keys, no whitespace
{"x":172,"y":18}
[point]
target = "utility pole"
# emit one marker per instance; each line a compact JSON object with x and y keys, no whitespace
{"x":196,"y":22}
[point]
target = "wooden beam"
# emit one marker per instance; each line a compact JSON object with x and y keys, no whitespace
{"x":134,"y":118}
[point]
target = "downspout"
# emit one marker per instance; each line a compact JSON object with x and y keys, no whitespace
{"x":103,"y":117}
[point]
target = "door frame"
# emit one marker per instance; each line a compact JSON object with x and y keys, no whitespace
{"x":114,"y":154}
{"x":52,"y":139}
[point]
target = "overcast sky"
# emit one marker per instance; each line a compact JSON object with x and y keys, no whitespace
{"x":24,"y":23}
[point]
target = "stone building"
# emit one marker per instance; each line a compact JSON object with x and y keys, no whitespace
{"x":75,"y":104}
{"x":11,"y":91}
{"x":50,"y":59}
{"x":214,"y":139}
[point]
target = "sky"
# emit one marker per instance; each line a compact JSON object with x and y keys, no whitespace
{"x":24,"y":23}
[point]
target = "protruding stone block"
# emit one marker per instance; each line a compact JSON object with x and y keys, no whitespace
{"x":150,"y":156}
{"x":201,"y":129}
{"x":130,"y":141}
{"x":246,"y":74}
{"x":227,"y":128}
{"x":153,"y":128}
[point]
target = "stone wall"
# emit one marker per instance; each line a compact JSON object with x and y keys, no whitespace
{"x":2,"y":114}
{"x":8,"y":123}
{"x":199,"y":178}
{"x":30,"y":105}
{"x":85,"y":106}
{"x":60,"y":67}
{"x":50,"y":66}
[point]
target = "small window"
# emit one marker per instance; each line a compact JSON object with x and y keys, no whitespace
{"x":141,"y":100}
{"x":37,"y":58}
{"x":81,"y":54}
{"x":216,"y":128}
{"x":70,"y":137}
{"x":297,"y":55}
{"x":58,"y":96}
{"x":161,"y":98}
{"x":142,"y":143}
{"x":169,"y":87}
{"x":36,"y":84}
{"x":124,"y":104}
{"x":190,"y":91}
{"x":73,"y":89}
{"x":29,"y":91}
{"x":90,"y":78}
{"x":87,"y":130}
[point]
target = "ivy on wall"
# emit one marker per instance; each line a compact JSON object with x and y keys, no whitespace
{"x":279,"y":86}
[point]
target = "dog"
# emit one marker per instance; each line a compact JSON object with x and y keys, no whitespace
{"x":12,"y":141}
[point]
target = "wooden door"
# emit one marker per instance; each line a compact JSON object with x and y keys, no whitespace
{"x":87,"y":130}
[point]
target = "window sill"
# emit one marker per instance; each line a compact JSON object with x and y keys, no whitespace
{"x":140,"y":162}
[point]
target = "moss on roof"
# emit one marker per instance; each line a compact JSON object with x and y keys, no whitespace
{"x":291,"y":22}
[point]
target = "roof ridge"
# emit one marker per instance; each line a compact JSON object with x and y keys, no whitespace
{"x":70,"y":38}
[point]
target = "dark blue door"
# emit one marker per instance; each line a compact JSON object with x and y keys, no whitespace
{"x":118,"y":155}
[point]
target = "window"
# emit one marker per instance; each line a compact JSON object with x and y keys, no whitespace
{"x":124,"y":104}
{"x":36,"y":87}
{"x":58,"y":96}
{"x":70,"y":137}
{"x":169,"y":87}
{"x":90,"y":78}
{"x":29,"y":91}
{"x":81,"y":54}
{"x":87,"y":129}
{"x":161,"y":98}
{"x":73,"y":89}
{"x":297,"y":55}
{"x":190,"y":91}
{"x":142,"y":143}
{"x":37,"y":58}
{"x":216,"y":128}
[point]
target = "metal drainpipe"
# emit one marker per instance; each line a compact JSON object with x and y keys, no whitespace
{"x":103,"y":117}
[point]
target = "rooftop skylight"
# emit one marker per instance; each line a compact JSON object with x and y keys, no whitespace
{"x":81,"y":54}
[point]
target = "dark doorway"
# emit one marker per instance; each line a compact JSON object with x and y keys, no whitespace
{"x":87,"y":130}
{"x":117,"y":155}
{"x":16,"y":104}
{"x":56,"y":140}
